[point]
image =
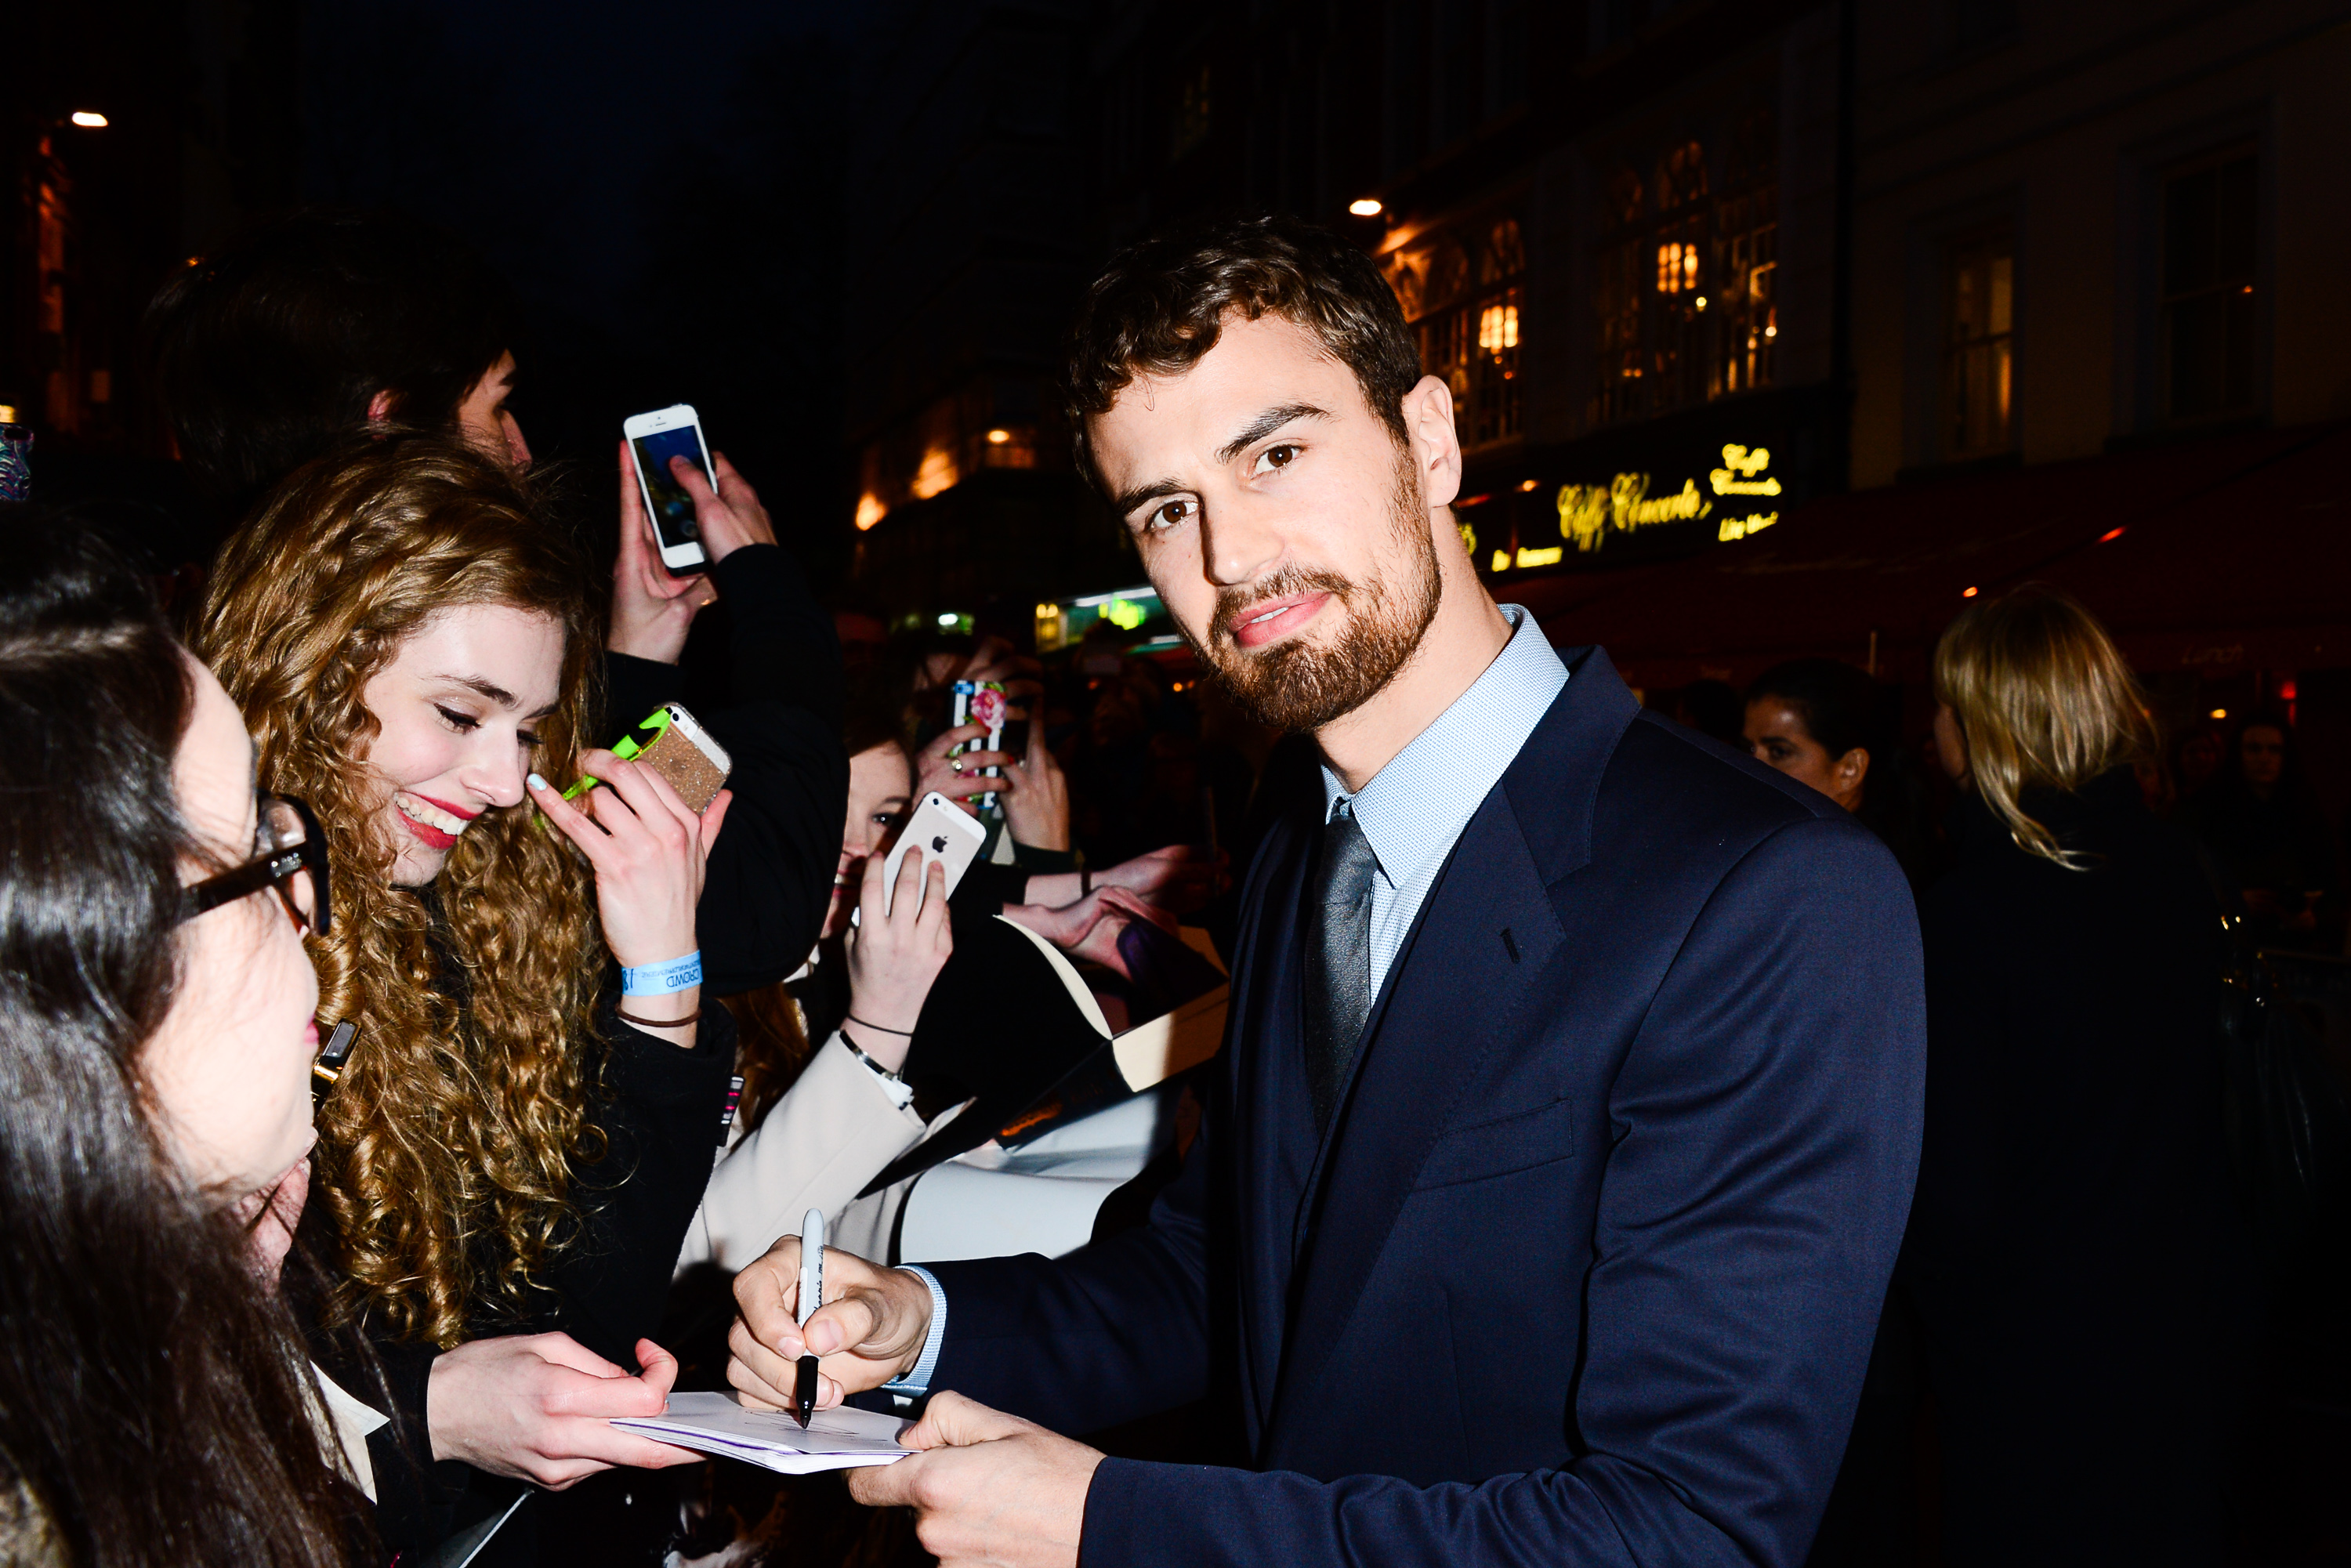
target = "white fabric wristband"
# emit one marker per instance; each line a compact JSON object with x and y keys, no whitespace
{"x":663,"y":979}
{"x":918,"y":1382}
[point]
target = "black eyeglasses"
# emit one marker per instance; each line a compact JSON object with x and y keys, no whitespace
{"x":289,"y":859}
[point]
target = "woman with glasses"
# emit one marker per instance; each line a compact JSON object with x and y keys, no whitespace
{"x":531,"y":1093}
{"x":156,"y":1040}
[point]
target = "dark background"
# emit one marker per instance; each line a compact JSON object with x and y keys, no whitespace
{"x":663,"y":194}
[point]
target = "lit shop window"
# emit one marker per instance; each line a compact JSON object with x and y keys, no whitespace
{"x":1009,"y":446}
{"x":1979,"y":346}
{"x":1685,"y":299}
{"x":2209,"y":323}
{"x":1463,"y":292}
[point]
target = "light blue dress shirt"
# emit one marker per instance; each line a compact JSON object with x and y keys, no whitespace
{"x":1411,"y":812}
{"x":1415,"y":807}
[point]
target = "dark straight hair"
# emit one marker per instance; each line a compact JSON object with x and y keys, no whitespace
{"x":269,"y":349}
{"x":1842,"y":708}
{"x":154,"y":1394}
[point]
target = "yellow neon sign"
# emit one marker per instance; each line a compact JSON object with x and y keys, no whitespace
{"x":1586,"y":512}
{"x":1737,"y":477}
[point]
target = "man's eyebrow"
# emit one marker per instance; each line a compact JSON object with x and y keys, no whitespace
{"x":1129,"y":499}
{"x":1265,"y":424}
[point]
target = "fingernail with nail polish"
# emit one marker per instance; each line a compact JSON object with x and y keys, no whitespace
{"x":536,"y":782}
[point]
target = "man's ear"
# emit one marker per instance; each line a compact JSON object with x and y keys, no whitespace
{"x":1436,"y":449}
{"x":380,"y":407}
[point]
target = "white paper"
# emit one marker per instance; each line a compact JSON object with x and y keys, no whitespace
{"x":835,"y":1439}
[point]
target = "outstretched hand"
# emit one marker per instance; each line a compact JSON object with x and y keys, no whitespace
{"x":540,"y":1408}
{"x":986,"y":1488}
{"x":1089,"y":928}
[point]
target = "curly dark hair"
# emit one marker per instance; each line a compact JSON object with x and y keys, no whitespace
{"x":1162,"y":303}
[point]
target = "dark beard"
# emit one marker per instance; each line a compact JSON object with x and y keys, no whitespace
{"x":1297,"y":686}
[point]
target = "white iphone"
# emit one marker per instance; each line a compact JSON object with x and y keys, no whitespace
{"x":654,"y":439}
{"x":945,"y":833}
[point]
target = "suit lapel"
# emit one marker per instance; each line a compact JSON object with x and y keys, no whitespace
{"x":1415,"y":1058}
{"x":1456,"y":993}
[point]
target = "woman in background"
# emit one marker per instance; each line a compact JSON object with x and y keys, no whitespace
{"x":2072,"y":1247}
{"x":1827,"y":725}
{"x":2266,"y":828}
{"x":155,"y":1048}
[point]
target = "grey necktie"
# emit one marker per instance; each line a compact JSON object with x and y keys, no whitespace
{"x":1338,"y":959}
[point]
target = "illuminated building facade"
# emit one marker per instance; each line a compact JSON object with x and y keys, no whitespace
{"x":2094,"y":229}
{"x":1688,"y":264}
{"x":1610,"y":227}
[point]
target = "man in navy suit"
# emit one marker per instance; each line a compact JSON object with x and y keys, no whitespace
{"x":1551,"y":1177}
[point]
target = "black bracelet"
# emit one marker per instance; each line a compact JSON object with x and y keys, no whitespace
{"x":625,"y":1016}
{"x":902,"y":1033}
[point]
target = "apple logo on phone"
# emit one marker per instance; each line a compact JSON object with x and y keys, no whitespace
{"x":939,"y":844}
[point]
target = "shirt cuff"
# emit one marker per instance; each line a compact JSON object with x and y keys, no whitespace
{"x":918,"y":1382}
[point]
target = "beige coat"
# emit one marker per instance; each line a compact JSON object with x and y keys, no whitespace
{"x":831,"y":1134}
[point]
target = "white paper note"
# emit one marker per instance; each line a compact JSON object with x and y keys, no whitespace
{"x":835,"y":1439}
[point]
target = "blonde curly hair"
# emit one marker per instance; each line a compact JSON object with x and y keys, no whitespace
{"x":447,"y":1147}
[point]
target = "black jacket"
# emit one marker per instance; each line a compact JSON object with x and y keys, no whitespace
{"x":659,"y":1110}
{"x":776,"y":710}
{"x":2072,"y":1245}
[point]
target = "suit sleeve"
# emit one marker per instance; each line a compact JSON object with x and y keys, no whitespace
{"x":1766,"y":1124}
{"x":771,"y":870}
{"x":1113,"y":1332}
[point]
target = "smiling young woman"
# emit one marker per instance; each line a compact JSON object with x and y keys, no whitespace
{"x":512,"y":1150}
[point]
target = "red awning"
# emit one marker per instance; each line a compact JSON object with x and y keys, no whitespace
{"x":2221,"y":555}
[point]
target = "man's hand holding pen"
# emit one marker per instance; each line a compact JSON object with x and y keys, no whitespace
{"x":870,"y":1331}
{"x":987,"y":1487}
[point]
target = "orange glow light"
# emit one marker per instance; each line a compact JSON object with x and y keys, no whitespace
{"x":2110,"y":536}
{"x":1968,"y":593}
{"x":1365,"y":206}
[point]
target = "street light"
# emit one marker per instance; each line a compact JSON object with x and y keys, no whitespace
{"x":88,"y":120}
{"x":1365,"y":206}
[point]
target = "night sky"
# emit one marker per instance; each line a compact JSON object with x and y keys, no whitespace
{"x":658,"y":184}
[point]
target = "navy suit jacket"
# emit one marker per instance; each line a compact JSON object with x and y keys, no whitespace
{"x":1588,"y":1267}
